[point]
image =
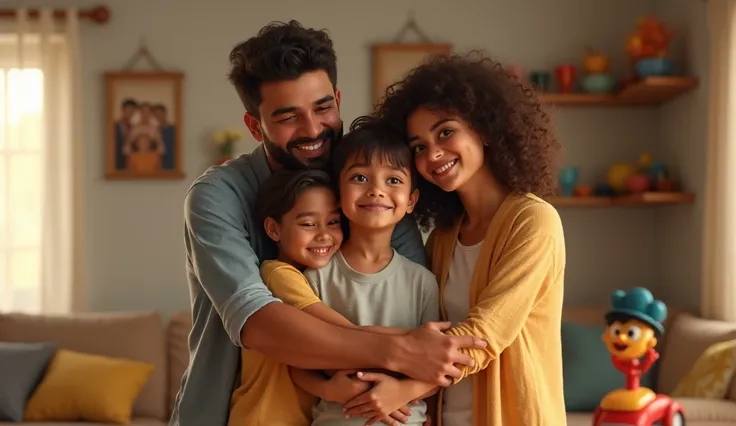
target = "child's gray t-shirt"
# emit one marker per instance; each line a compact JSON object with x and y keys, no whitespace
{"x":404,"y":294}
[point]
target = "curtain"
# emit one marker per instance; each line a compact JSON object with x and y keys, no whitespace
{"x":41,"y":166}
{"x":718,"y":298}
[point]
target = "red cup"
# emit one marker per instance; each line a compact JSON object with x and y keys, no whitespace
{"x":565,"y":77}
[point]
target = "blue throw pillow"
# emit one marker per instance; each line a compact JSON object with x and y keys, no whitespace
{"x":22,"y":366}
{"x":588,"y":373}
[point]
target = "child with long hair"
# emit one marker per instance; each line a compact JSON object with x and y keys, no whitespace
{"x":486,"y":153}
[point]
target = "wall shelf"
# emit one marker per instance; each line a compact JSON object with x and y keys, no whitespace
{"x":647,"y":91}
{"x":638,"y":200}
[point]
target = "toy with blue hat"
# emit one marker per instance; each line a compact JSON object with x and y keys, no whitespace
{"x":635,"y":320}
{"x":638,"y":304}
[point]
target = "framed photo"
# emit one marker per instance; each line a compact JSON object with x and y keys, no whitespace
{"x":144,"y":125}
{"x":392,"y":62}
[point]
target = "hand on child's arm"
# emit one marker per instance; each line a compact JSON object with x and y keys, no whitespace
{"x":343,"y":387}
{"x":387,"y":401}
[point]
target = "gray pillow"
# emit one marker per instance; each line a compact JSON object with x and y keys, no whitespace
{"x":22,"y":366}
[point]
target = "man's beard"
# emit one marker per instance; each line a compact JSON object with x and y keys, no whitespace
{"x":289,"y":161}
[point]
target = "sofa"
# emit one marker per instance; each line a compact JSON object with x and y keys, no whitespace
{"x":146,"y":337}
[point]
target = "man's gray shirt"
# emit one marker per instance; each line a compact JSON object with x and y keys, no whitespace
{"x":225,"y":247}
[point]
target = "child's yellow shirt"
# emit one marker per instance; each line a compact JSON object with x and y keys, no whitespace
{"x":267,"y":395}
{"x":516,"y":298}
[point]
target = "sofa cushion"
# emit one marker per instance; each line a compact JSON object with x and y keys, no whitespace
{"x":708,"y":410}
{"x":138,"y":336}
{"x":180,"y":325}
{"x":579,"y":419}
{"x":22,"y":365}
{"x":712,"y":373}
{"x":88,"y":387}
{"x":588,"y":374}
{"x":687,"y":339}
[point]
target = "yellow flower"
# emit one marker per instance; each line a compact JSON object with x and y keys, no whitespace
{"x":220,"y":137}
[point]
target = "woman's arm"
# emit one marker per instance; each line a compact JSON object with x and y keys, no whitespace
{"x":532,"y":264}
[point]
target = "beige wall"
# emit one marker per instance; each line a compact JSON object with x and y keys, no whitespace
{"x":135,"y":256}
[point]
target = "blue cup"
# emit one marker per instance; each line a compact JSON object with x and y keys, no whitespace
{"x":568,"y":179}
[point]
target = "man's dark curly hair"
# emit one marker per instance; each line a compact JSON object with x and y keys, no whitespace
{"x":280,"y":51}
{"x":521,"y":148}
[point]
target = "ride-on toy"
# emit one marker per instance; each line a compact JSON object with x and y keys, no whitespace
{"x":634,"y":323}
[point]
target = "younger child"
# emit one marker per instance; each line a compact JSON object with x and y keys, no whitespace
{"x":299,"y":212}
{"x":367,"y":281}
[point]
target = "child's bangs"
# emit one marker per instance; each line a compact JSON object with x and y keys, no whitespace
{"x":394,"y":155}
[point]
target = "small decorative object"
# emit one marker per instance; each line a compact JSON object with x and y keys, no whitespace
{"x":144,"y":122}
{"x":540,"y":80}
{"x":598,"y":83}
{"x":583,"y":191}
{"x":618,"y":175}
{"x":634,"y":324}
{"x":603,"y":190}
{"x":565,"y":77}
{"x":638,"y":183}
{"x":568,"y":179}
{"x":595,"y":62}
{"x":597,"y":79}
{"x":392,"y":61}
{"x":225,"y":140}
{"x":647,"y":48}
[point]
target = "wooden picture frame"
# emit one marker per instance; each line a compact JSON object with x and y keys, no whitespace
{"x":392,"y":61}
{"x":144,"y":125}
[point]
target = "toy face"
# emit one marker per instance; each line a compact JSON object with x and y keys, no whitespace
{"x":629,"y":340}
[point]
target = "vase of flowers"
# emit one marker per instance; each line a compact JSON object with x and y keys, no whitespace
{"x":225,"y":141}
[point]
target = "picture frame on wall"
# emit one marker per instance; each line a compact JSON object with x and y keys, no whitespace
{"x":144,"y":125}
{"x":393,"y":61}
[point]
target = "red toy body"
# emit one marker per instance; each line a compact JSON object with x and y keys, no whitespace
{"x":663,"y":411}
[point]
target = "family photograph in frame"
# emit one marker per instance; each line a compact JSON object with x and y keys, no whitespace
{"x":144,"y":125}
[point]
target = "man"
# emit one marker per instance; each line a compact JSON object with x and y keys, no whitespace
{"x":168,"y":135}
{"x":128,"y":108}
{"x":286,"y":78}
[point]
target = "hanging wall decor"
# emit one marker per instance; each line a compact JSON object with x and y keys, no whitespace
{"x":392,"y":61}
{"x":144,"y":121}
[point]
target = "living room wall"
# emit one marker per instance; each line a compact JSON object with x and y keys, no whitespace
{"x":135,"y":251}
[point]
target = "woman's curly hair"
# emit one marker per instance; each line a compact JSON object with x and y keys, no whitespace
{"x":521,"y":148}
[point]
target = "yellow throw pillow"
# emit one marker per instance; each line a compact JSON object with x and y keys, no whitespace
{"x":711,"y":375}
{"x":80,"y":386}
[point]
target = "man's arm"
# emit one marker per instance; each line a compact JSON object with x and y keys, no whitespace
{"x":227,"y":268}
{"x":407,"y":240}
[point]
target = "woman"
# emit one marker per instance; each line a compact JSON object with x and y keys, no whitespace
{"x":486,"y":152}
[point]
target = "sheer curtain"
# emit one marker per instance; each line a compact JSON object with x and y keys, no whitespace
{"x":719,"y":245}
{"x":40,"y":166}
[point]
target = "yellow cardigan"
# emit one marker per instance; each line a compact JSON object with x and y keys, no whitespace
{"x":516,"y":298}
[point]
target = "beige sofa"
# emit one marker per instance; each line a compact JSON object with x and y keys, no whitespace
{"x":146,"y":337}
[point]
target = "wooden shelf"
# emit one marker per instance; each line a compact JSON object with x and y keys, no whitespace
{"x":648,"y":91}
{"x":645,"y":199}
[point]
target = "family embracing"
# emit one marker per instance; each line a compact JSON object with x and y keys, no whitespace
{"x":315,"y":300}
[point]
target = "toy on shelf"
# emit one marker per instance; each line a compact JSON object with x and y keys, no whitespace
{"x":634,"y":323}
{"x":597,"y":80}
